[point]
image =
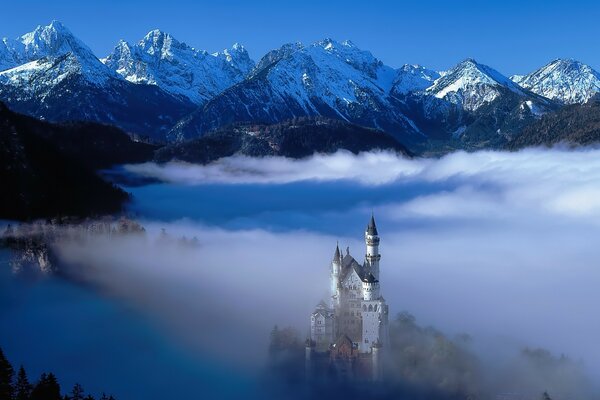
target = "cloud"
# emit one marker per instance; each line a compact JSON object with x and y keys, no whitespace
{"x":502,"y":246}
{"x":553,"y":181}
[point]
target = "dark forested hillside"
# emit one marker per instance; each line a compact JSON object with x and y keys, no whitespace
{"x":42,"y":173}
{"x":577,"y":124}
{"x":296,"y":138}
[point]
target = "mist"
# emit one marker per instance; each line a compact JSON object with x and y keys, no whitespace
{"x":500,"y":246}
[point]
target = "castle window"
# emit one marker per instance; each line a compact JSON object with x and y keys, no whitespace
{"x":375,"y":308}
{"x":366,"y":340}
{"x":370,"y":307}
{"x":364,"y":307}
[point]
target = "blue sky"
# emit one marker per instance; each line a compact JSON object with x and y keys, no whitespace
{"x":513,"y":36}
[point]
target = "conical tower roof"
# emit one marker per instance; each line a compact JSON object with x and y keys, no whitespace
{"x":372,"y":228}
{"x":336,"y":255}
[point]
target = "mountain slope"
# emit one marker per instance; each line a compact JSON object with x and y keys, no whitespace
{"x":470,"y":85}
{"x":67,"y":82}
{"x":159,"y":59}
{"x":40,"y":181}
{"x":576,"y":124}
{"x":566,"y":81}
{"x":327,"y":78}
{"x":296,"y":138}
{"x":471,"y":106}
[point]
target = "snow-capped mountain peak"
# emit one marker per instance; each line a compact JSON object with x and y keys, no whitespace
{"x":51,"y":41}
{"x":413,"y":78}
{"x":160,"y":59}
{"x":237,"y":57}
{"x":565,"y":80}
{"x":471,"y":85}
{"x":52,"y":53}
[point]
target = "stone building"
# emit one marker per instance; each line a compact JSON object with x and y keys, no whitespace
{"x":349,"y":332}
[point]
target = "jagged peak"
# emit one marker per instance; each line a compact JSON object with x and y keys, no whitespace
{"x":330,"y":44}
{"x":563,"y":79}
{"x":51,"y":32}
{"x":156,"y":34}
{"x":476,"y":72}
{"x":348,"y":43}
{"x":159,"y":39}
{"x":238,"y":47}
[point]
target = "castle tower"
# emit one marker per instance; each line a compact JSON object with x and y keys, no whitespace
{"x":372,"y":241}
{"x":336,"y":267}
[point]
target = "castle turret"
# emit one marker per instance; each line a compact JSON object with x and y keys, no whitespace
{"x":370,"y":287}
{"x":372,"y":241}
{"x":336,"y":266}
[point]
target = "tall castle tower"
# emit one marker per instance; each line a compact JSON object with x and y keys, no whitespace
{"x":372,"y":241}
{"x":336,"y":269}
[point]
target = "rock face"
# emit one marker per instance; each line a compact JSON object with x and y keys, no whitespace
{"x":566,"y":81}
{"x":58,"y":78}
{"x":296,"y":138}
{"x":327,"y":78}
{"x":159,"y":59}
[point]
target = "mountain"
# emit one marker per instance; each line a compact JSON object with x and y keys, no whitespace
{"x":411,"y":78}
{"x":164,"y":89}
{"x":40,"y":181}
{"x":45,"y":41}
{"x":327,"y":78}
{"x":159,"y":59}
{"x":62,"y":80}
{"x":300,"y":137}
{"x":566,"y":81}
{"x":575,"y":125}
{"x":470,"y":106}
{"x":470,"y":85}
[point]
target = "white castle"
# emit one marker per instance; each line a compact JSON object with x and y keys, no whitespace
{"x":348,"y":333}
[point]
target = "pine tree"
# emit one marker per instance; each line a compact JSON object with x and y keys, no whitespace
{"x":77,"y":392}
{"x":22,"y":387}
{"x":6,"y":378}
{"x":46,"y":389}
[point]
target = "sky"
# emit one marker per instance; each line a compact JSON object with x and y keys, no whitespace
{"x":510,"y":35}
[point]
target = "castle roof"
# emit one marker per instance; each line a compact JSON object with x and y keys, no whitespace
{"x":372,"y":228}
{"x":336,"y":255}
{"x":368,"y":278}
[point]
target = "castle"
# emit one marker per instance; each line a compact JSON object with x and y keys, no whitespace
{"x":349,"y":333}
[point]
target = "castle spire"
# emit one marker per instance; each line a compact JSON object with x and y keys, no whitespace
{"x":372,"y":228}
{"x":336,"y":255}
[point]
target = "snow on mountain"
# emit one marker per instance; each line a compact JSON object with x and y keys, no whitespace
{"x":60,"y":79}
{"x":566,"y":81}
{"x":45,"y":41}
{"x":471,"y":85}
{"x":159,"y":59}
{"x":237,"y":57}
{"x":412,"y":78}
{"x":326,"y":78}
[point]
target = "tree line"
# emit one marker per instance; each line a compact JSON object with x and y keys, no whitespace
{"x":16,"y":386}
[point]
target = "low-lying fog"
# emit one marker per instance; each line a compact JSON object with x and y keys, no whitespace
{"x":501,"y":246}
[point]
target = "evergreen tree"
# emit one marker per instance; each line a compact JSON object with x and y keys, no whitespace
{"x":6,"y":378}
{"x":46,"y":389}
{"x":77,"y":392}
{"x":22,"y":387}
